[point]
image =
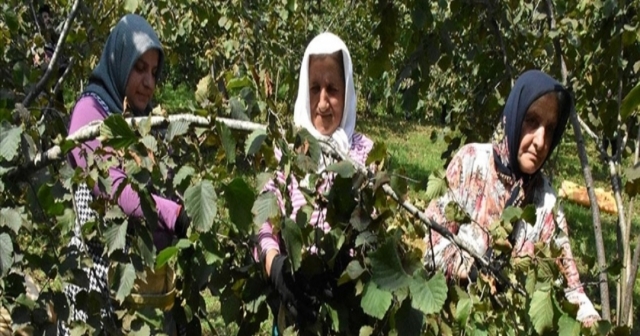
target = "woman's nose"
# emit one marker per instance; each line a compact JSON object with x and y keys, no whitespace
{"x":539,"y":137}
{"x":323,"y":104}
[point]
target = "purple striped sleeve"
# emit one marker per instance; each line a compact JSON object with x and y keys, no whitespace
{"x":86,"y":110}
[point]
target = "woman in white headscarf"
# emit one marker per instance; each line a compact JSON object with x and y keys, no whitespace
{"x":326,"y":107}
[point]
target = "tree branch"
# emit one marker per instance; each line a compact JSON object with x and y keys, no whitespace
{"x":484,"y":263}
{"x":92,"y":131}
{"x":586,"y":172}
{"x":54,"y":59}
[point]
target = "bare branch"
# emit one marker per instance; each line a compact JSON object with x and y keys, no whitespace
{"x":586,"y":172}
{"x":62,"y":78}
{"x":35,"y":17}
{"x":484,"y":263}
{"x":54,"y":59}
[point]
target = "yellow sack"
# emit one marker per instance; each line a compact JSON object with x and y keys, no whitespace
{"x":157,"y":291}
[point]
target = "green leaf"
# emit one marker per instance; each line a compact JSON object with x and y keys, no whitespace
{"x":386,"y":268}
{"x":165,"y":255}
{"x":375,"y":302}
{"x":292,"y":236}
{"x":184,"y":173}
{"x":239,"y":83}
{"x":254,"y":141}
{"x":463,"y":310}
{"x":366,"y":237}
{"x":354,"y":269}
{"x":529,"y":214}
{"x":454,"y":213}
{"x":428,"y":296}
{"x":176,"y":128}
{"x":6,"y":254}
{"x":127,"y":275}
{"x":264,"y":208}
{"x":11,"y":219}
{"x":116,"y":237}
{"x":366,"y":331}
{"x":9,"y":140}
{"x":632,"y":186}
{"x":117,"y":132}
{"x":200,"y":203}
{"x":377,"y":153}
{"x":511,"y":214}
{"x":568,"y":326}
{"x":228,"y":142}
{"x":343,"y":168}
{"x":437,"y":185}
{"x":630,"y":102}
{"x":150,"y":142}
{"x":203,"y":89}
{"x":130,"y":5}
{"x":541,"y":311}
{"x":238,"y":196}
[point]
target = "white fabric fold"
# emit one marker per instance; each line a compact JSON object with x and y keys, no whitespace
{"x":327,"y":43}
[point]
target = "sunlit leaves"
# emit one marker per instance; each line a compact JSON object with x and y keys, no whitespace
{"x":10,"y":218}
{"x":116,"y":237}
{"x":541,"y":311}
{"x":116,"y":132}
{"x":375,"y":301}
{"x":428,"y":295}
{"x":343,"y":168}
{"x":264,"y":208}
{"x":6,"y":253}
{"x":437,"y":185}
{"x":9,"y":140}
{"x":568,"y":326}
{"x":125,"y":276}
{"x":630,"y":102}
{"x":200,"y":203}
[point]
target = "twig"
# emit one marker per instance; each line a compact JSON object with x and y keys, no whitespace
{"x":92,"y":131}
{"x":35,"y":17}
{"x":54,"y":59}
{"x":327,"y":148}
{"x":62,"y":78}
{"x":586,"y":172}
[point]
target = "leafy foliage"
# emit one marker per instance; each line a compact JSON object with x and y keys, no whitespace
{"x":456,"y":57}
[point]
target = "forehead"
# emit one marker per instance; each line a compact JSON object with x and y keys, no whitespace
{"x":324,"y":65}
{"x":545,"y":107}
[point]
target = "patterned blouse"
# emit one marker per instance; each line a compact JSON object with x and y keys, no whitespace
{"x":476,"y":185}
{"x":360,"y":148}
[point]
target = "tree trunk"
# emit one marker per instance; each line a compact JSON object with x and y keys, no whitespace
{"x":586,"y":172}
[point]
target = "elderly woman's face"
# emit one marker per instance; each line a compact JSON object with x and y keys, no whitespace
{"x":538,"y":128}
{"x":142,"y":80}
{"x":326,"y":93}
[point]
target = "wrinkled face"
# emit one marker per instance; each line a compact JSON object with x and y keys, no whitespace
{"x":47,"y":20}
{"x":326,"y":92}
{"x":538,"y":128}
{"x":142,"y":80}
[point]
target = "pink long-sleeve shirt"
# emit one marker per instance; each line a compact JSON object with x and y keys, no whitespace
{"x":87,"y":109}
{"x":360,"y":148}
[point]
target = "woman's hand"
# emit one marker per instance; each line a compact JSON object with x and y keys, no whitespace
{"x":299,"y":305}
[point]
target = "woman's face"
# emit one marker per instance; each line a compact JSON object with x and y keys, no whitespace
{"x":326,"y":93}
{"x":142,"y":80}
{"x":538,"y":128}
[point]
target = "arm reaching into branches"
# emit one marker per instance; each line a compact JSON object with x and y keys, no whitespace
{"x":574,"y":292}
{"x":441,"y":252}
{"x":87,"y":110}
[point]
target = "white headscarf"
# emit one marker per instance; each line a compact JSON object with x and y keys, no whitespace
{"x":327,"y":43}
